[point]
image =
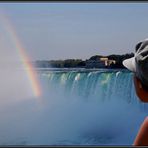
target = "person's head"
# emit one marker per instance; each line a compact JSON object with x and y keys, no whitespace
{"x":139,"y":65}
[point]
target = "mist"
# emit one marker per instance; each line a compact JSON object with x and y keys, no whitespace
{"x":63,"y":116}
{"x":74,"y":109}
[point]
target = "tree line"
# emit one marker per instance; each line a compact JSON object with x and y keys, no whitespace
{"x":79,"y":63}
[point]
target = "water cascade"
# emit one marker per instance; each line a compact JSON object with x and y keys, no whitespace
{"x":78,"y":107}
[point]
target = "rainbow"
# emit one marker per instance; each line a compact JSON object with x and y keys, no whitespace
{"x":31,"y":73}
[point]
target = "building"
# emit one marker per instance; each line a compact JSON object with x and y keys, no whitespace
{"x":107,"y":62}
{"x":102,"y":62}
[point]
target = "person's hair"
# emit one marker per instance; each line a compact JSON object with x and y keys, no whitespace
{"x":144,"y":86}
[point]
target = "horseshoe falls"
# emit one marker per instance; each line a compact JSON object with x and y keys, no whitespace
{"x":93,"y":107}
{"x":78,"y":107}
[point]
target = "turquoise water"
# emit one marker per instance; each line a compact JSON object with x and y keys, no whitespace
{"x":101,"y":105}
{"x":77,"y":107}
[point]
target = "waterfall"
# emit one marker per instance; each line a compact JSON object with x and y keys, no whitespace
{"x":97,"y":86}
{"x":78,"y":107}
{"x":96,"y":107}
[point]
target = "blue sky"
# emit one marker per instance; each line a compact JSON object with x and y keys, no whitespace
{"x":78,"y":30}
